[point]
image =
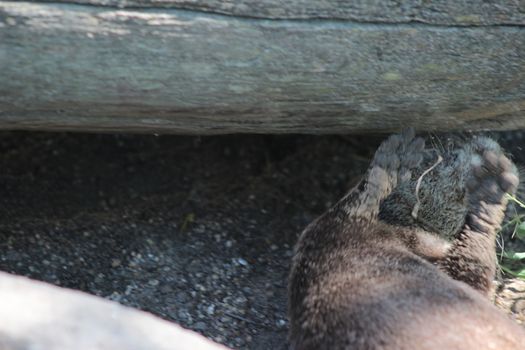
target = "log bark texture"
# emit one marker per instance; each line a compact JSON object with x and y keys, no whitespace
{"x":209,"y":66}
{"x":38,"y":316}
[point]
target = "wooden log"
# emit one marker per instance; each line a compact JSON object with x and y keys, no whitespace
{"x":36,"y":315}
{"x":440,"y":12}
{"x":266,"y":67}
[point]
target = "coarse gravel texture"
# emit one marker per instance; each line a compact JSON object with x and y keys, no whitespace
{"x":197,"y":230}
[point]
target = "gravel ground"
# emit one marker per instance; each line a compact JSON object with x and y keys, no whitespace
{"x":197,"y":230}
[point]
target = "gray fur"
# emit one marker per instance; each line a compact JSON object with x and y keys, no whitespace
{"x":358,"y":282}
{"x":443,"y":207}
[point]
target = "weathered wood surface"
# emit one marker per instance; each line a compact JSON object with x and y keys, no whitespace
{"x":38,"y":316}
{"x":437,"y":12}
{"x":313,"y":67}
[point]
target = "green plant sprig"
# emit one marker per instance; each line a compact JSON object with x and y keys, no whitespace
{"x":510,"y":259}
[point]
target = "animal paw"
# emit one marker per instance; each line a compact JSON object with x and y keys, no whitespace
{"x":493,"y":175}
{"x":399,"y":154}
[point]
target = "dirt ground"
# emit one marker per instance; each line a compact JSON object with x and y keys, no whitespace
{"x":197,"y":230}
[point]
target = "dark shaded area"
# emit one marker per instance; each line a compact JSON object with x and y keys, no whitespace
{"x":198,"y":230}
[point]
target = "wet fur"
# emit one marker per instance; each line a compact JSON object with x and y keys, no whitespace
{"x":358,"y":282}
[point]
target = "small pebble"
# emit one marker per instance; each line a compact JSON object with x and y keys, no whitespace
{"x":200,"y":326}
{"x":210,"y":310}
{"x":281,"y":323}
